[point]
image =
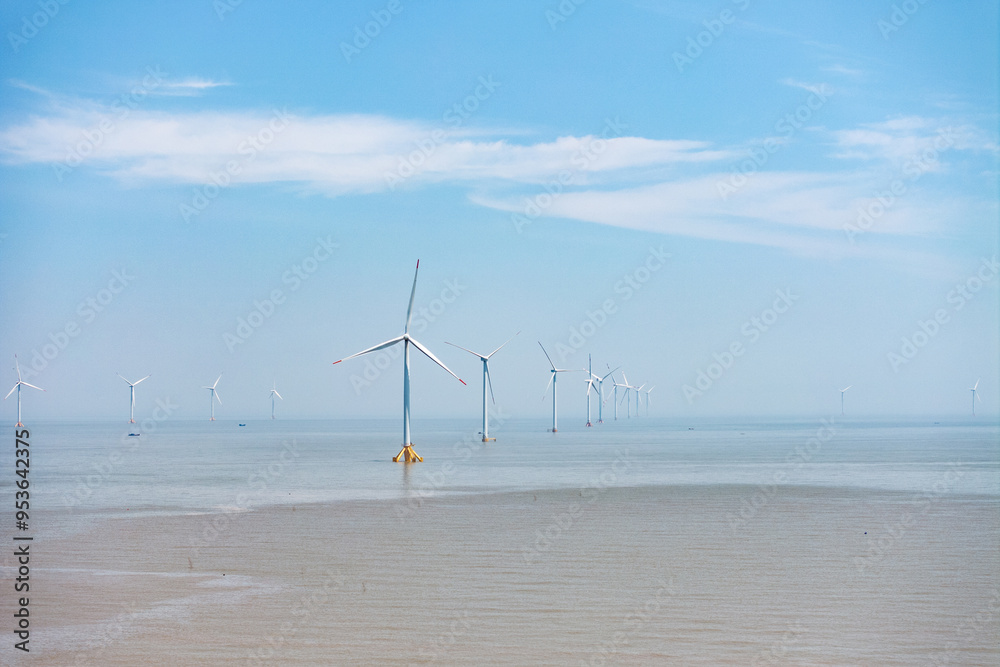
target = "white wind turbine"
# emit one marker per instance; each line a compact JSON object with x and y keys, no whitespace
{"x":974,"y":390}
{"x":638,"y":398}
{"x":131,"y":400}
{"x":842,"y":398}
{"x":486,"y":382}
{"x":406,"y":454}
{"x":628,"y":394}
{"x":215,"y":396}
{"x":648,"y":392}
{"x":591,"y":383}
{"x":18,"y":388}
{"x":619,"y":384}
{"x":552,"y":382}
{"x":274,"y":392}
{"x":600,"y":391}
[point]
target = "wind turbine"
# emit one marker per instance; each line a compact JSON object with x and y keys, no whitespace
{"x":638,"y":398}
{"x":274,"y":392}
{"x":406,"y":454}
{"x":974,"y":390}
{"x":648,"y":392}
{"x":619,"y":384}
{"x":600,"y":391}
{"x":590,"y":384}
{"x":486,"y":382}
{"x":842,"y":398}
{"x":18,"y":388}
{"x":628,"y":395}
{"x":552,"y":381}
{"x":131,"y":391}
{"x":215,"y":395}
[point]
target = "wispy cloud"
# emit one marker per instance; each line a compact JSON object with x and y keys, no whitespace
{"x":668,"y":186}
{"x":821,"y":89}
{"x":334,"y":154}
{"x":189,"y":87}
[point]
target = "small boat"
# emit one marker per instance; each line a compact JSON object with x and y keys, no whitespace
{"x":242,"y":424}
{"x":690,"y":428}
{"x":133,"y":434}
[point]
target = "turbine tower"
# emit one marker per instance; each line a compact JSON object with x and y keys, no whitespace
{"x":406,"y":454}
{"x":274,"y":392}
{"x":131,"y":391}
{"x":638,"y":398}
{"x":214,"y":396}
{"x":600,"y":391}
{"x":842,"y":398}
{"x":552,"y":382}
{"x":18,"y":388}
{"x":619,"y":384}
{"x":487,"y":382}
{"x":591,"y":383}
{"x":628,"y":394}
{"x":974,"y":390}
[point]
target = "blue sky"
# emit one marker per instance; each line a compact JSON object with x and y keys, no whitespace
{"x":836,"y":162}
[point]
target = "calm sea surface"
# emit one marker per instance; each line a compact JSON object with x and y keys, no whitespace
{"x":642,"y":541}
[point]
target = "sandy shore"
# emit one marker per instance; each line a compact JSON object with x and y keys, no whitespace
{"x":617,"y":576}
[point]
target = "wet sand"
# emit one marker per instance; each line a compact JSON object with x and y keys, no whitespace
{"x":632,"y":576}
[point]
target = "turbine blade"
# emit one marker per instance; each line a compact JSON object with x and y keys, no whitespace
{"x":434,"y":359}
{"x":373,"y":349}
{"x":31,"y":385}
{"x":466,"y":349}
{"x":145,"y":378}
{"x":217,"y":381}
{"x":489,"y":381}
{"x":504,"y":343}
{"x":12,"y":391}
{"x":977,"y":396}
{"x":17,"y":368}
{"x":846,"y":388}
{"x":413,"y":292}
{"x":975,"y":387}
{"x":123,"y":377}
{"x":216,"y":394}
{"x":609,"y":373}
{"x":277,"y":394}
{"x":547,"y":355}
{"x":546,"y":392}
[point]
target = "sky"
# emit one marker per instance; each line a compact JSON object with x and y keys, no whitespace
{"x":747,"y":206}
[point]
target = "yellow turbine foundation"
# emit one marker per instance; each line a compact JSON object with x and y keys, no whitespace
{"x":489,"y":439}
{"x":406,"y":455}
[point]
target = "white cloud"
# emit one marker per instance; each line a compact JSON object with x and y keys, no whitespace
{"x":336,"y":154}
{"x":666,"y":186}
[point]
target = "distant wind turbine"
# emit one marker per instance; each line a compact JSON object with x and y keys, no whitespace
{"x":638,"y":398}
{"x":274,"y":392}
{"x":628,"y":394}
{"x":842,"y":398}
{"x":600,"y":391}
{"x":487,"y":382}
{"x":974,"y":390}
{"x":18,"y":388}
{"x":625,"y":387}
{"x":591,"y":384}
{"x":552,"y":382}
{"x":406,"y":454}
{"x":131,"y":400}
{"x":648,"y":392}
{"x":214,"y":396}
